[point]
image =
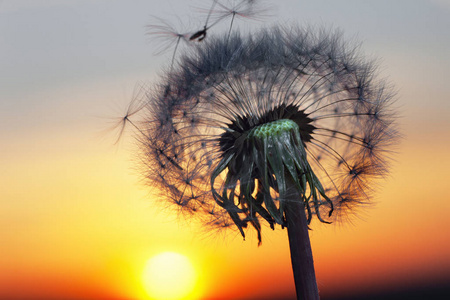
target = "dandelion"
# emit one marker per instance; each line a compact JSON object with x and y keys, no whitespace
{"x":280,"y":127}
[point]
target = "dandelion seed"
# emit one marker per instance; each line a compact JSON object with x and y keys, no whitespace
{"x":248,"y":9}
{"x":242,"y":9}
{"x":134,"y":107}
{"x":201,"y":34}
{"x":168,"y":36}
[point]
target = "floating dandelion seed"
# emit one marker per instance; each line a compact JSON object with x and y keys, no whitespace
{"x":167,"y":36}
{"x":249,"y":9}
{"x":255,"y":10}
{"x":200,"y":35}
{"x":241,"y":9}
{"x":134,"y":107}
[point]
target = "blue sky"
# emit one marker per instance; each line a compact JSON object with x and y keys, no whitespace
{"x":52,"y":45}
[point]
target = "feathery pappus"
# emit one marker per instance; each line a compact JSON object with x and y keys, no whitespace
{"x":240,"y":120}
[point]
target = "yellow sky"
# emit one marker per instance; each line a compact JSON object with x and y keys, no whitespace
{"x":75,"y":209}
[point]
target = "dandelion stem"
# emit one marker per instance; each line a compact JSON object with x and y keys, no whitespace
{"x":299,"y":244}
{"x":231,"y":26}
{"x":209,"y":13}
{"x":174,"y":52}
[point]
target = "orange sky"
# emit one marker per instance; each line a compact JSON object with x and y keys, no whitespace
{"x":83,"y":227}
{"x":76,"y":223}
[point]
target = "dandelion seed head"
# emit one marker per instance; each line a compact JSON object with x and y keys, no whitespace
{"x":241,"y":120}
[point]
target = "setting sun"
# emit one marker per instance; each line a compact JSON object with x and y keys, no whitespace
{"x":169,"y":275}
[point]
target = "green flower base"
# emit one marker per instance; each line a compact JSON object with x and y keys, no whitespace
{"x":268,"y":169}
{"x":273,"y":129}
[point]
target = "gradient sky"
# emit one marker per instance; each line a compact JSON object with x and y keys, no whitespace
{"x":75,"y":220}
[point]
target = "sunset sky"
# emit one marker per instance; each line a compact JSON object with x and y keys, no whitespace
{"x":76,"y":221}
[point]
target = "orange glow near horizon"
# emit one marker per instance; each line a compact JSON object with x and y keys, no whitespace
{"x":77,"y":223}
{"x":88,"y":232}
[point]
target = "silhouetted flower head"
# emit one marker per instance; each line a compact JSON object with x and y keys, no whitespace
{"x":241,"y":120}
